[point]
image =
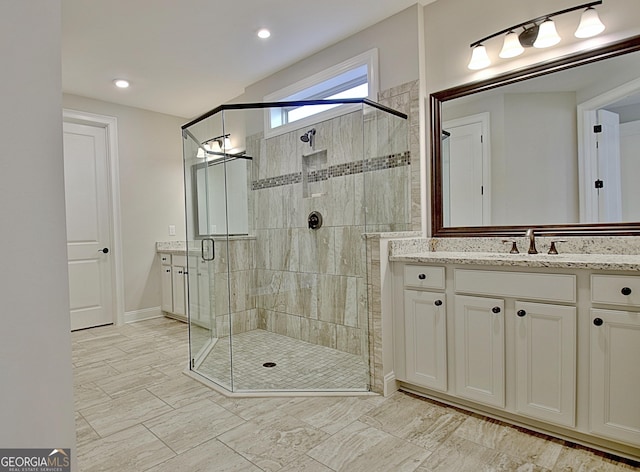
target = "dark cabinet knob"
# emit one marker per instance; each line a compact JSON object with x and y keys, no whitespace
{"x":422,"y":276}
{"x":625,"y":291}
{"x":521,"y":313}
{"x":437,"y":302}
{"x":598,"y":322}
{"x":104,"y":250}
{"x":496,"y":309}
{"x":168,"y":270}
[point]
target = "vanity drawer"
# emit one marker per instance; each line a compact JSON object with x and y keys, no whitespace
{"x":165,"y":259}
{"x":424,"y":276}
{"x":533,"y":286}
{"x":615,"y":290}
{"x":179,"y":261}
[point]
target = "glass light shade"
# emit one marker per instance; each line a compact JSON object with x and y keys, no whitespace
{"x":590,"y":24}
{"x":214,"y":146}
{"x":479,"y":58}
{"x":227,"y":144}
{"x":200,"y":153}
{"x":547,"y":35}
{"x":511,"y":46}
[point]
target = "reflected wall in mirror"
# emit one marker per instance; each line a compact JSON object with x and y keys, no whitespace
{"x":553,"y":146}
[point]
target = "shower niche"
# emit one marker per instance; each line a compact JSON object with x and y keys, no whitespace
{"x":278,"y":292}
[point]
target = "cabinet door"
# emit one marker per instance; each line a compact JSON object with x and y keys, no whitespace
{"x":545,"y":340}
{"x":426,"y":339}
{"x":479,"y":349}
{"x":167,"y":289}
{"x":615,"y":375}
{"x":179,"y":292}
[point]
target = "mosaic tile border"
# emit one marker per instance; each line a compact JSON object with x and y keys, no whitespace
{"x":339,"y":170}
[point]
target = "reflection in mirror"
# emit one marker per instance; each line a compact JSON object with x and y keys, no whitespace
{"x":558,"y":149}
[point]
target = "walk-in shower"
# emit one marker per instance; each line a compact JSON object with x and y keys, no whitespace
{"x":277,"y":214}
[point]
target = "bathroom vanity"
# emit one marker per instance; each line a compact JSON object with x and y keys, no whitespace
{"x":551,"y":342}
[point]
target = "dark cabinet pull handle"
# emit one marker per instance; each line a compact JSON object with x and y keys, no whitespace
{"x":422,"y":276}
{"x":625,"y":291}
{"x":598,"y":322}
{"x":437,"y":302}
{"x":496,"y":309}
{"x":521,"y":313}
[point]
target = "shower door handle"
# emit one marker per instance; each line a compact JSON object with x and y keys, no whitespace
{"x":208,"y":253}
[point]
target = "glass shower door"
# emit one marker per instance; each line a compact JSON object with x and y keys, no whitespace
{"x":208,"y":288}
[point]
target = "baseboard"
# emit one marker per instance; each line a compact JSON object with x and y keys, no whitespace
{"x":390,"y":384}
{"x":144,"y":314}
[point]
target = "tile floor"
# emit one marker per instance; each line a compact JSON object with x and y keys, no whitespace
{"x":136,"y":411}
{"x":299,"y":365}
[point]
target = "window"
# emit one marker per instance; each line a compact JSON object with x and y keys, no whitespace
{"x":354,"y":78}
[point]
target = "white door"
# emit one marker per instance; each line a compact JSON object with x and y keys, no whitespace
{"x":608,"y":143}
{"x":466,"y":172}
{"x":630,"y":169}
{"x":546,"y":362}
{"x":479,"y":349}
{"x":425,"y":325}
{"x":88,"y":225}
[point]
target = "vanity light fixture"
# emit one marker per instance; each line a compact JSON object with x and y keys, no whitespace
{"x":538,"y":32}
{"x":217,"y":146}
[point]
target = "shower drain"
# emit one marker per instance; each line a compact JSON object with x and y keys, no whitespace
{"x":269,"y":364}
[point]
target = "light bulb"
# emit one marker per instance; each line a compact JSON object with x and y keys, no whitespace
{"x":590,"y":24}
{"x":511,"y":46}
{"x":121,"y":83}
{"x":479,"y":58}
{"x":547,"y":35}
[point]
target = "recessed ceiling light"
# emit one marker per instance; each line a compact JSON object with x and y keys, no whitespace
{"x":121,"y":83}
{"x":264,"y":33}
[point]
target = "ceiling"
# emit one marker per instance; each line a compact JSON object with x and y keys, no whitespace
{"x":186,"y":57}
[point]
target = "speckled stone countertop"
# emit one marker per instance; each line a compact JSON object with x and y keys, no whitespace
{"x":179,"y":248}
{"x":596,"y":253}
{"x":559,"y":261}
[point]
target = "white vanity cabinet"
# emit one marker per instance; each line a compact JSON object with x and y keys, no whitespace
{"x":425,"y":327}
{"x":614,"y":356}
{"x":557,"y":349}
{"x":174,"y":285}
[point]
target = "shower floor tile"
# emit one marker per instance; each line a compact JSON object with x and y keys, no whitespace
{"x":299,"y":365}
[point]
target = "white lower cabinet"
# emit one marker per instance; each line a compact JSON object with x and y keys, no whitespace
{"x":479,"y":349}
{"x":545,"y":350}
{"x":173,"y":277}
{"x":426,"y":339}
{"x":615,"y":375}
{"x":558,"y":350}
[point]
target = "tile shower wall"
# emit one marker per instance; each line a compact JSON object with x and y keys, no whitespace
{"x":311,"y":285}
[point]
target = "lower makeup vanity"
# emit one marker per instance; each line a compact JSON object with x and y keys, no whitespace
{"x":548,"y":342}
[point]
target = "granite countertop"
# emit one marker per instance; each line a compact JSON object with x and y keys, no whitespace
{"x":559,"y":261}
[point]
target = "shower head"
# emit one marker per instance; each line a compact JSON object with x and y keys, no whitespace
{"x":308,"y":136}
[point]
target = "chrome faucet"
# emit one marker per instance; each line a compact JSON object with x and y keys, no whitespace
{"x":532,"y":241}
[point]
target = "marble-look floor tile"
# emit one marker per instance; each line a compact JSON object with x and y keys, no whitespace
{"x":212,"y":456}
{"x":132,"y":363}
{"x":527,"y":446}
{"x":92,"y":372}
{"x":306,"y":464}
{"x":362,"y":448}
{"x":181,"y":391}
{"x":84,"y":432}
{"x":249,"y":408}
{"x":134,"y":449}
{"x":122,"y":413}
{"x":416,"y":420}
{"x":191,"y":425}
{"x":120,"y":384}
{"x":579,"y":459}
{"x":87,"y":395}
{"x":273,"y":441}
{"x":460,"y":455}
{"x":330,"y":414}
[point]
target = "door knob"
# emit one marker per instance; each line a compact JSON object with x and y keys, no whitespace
{"x":104,"y":250}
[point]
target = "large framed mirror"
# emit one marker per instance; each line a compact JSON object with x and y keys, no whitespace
{"x":554,"y":146}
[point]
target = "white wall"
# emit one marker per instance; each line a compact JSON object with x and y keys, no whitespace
{"x":36,"y":408}
{"x":395,"y":37}
{"x":151,"y":191}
